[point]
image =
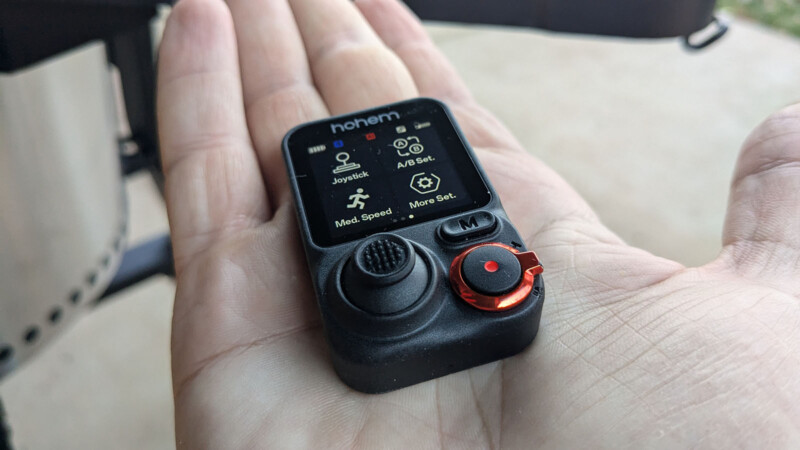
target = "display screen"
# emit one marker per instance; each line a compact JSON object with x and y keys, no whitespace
{"x":382,"y":169}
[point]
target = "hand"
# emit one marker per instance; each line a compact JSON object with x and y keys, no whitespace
{"x":632,"y":348}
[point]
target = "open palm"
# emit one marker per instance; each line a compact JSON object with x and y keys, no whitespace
{"x":632,"y":348}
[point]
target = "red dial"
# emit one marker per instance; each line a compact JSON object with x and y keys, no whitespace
{"x":528,"y":262}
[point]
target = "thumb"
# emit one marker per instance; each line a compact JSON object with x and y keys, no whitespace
{"x":761,"y":238}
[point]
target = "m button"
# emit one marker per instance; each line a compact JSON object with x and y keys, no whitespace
{"x":468,"y":226}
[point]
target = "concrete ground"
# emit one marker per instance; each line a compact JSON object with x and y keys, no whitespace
{"x":647,"y":132}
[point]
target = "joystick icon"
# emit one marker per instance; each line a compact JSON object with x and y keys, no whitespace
{"x":344,"y":163}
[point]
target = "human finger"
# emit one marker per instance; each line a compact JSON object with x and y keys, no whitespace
{"x":351,"y":67}
{"x":761,"y":237}
{"x":279,"y":92}
{"x":213,"y":185}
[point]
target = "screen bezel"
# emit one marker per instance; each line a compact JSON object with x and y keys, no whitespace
{"x":309,"y":201}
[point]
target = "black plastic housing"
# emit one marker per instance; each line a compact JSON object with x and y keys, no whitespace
{"x":437,"y":335}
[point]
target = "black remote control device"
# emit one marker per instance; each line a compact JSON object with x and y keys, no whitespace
{"x":417,"y":270}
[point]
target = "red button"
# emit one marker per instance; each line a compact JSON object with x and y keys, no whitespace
{"x":530,"y":268}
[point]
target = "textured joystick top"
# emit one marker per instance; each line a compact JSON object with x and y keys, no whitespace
{"x":383,"y":259}
{"x":383,"y":256}
{"x":385,"y":275}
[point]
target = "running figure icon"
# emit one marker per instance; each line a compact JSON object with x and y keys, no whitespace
{"x":357,"y":199}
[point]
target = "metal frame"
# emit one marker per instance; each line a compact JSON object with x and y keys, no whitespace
{"x":5,"y":431}
{"x":132,"y":53}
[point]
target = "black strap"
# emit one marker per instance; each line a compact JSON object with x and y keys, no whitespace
{"x":626,"y":18}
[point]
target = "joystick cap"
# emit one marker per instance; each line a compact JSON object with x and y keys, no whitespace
{"x":385,"y":275}
{"x":384,"y":259}
{"x":494,"y":277}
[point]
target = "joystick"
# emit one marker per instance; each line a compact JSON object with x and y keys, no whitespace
{"x":385,"y":275}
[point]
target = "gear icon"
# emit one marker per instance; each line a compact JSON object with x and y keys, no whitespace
{"x":425,"y":183}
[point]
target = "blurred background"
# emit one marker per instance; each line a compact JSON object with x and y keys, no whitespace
{"x":647,"y":131}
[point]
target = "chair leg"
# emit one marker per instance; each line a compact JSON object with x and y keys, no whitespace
{"x":5,"y":432}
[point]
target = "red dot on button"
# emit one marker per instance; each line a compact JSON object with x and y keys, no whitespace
{"x":491,"y":266}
